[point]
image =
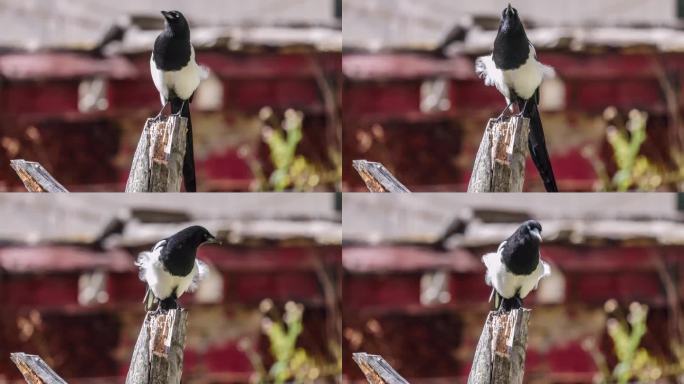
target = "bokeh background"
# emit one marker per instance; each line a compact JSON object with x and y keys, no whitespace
{"x":414,"y":289}
{"x":269,"y":310}
{"x":412,"y":100}
{"x":76,"y":101}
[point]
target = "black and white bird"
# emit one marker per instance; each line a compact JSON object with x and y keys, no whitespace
{"x":177,"y":75}
{"x":514,"y":70}
{"x":171,"y":267}
{"x":516,"y":268}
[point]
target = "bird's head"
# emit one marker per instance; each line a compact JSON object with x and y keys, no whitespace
{"x":510,"y":21}
{"x":532,"y":227}
{"x":176,"y":23}
{"x":197,"y":235}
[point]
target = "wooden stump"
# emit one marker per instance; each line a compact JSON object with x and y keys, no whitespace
{"x":500,"y":160}
{"x":158,"y":161}
{"x":500,"y":354}
{"x":378,"y":178}
{"x":377,"y":370}
{"x":158,"y":353}
{"x":35,"y":370}
{"x":35,"y":177}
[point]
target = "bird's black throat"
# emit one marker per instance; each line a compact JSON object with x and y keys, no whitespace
{"x":178,"y":256}
{"x":520,"y":254}
{"x":511,"y":46}
{"x":171,"y":51}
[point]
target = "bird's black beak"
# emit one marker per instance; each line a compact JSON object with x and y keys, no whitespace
{"x":509,"y":9}
{"x":166,"y":14}
{"x":213,"y":240}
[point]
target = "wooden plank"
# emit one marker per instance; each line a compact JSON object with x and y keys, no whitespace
{"x":158,"y":353}
{"x":35,"y":177}
{"x":377,"y":370}
{"x":500,"y":353}
{"x":158,"y":161}
{"x":378,"y":178}
{"x":35,"y":370}
{"x":500,"y":161}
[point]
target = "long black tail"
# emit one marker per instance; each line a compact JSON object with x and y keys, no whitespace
{"x":537,"y":145}
{"x":189,"y":160}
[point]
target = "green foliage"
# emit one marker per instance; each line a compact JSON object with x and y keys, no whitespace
{"x":634,"y":362}
{"x":634,"y":170}
{"x":292,"y":171}
{"x":292,"y":364}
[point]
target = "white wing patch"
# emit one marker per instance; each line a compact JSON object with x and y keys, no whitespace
{"x":202,"y":271}
{"x":492,"y":76}
{"x":158,"y":79}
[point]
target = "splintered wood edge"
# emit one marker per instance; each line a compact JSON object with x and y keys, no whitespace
{"x":162,"y":329}
{"x":502,"y":138}
{"x":366,"y":361}
{"x":158,"y":136}
{"x":28,"y":364}
{"x":162,"y":135}
{"x":29,"y":374}
{"x":504,"y":329}
{"x":372,"y":183}
{"x":377,"y":177}
{"x":31,"y":184}
{"x":31,"y":173}
{"x":371,"y":376}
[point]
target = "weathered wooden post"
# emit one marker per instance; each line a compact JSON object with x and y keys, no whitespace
{"x":35,"y":177}
{"x":158,"y":353}
{"x":500,"y":161}
{"x":157,"y":356}
{"x":500,"y":354}
{"x":158,"y":161}
{"x":377,"y":370}
{"x":35,"y":370}
{"x":378,"y":178}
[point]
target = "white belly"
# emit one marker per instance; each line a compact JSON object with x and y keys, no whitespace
{"x":182,"y":82}
{"x":508,"y":284}
{"x":163,"y":284}
{"x":525,"y":80}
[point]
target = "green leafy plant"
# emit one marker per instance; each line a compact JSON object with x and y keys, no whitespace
{"x":634,"y":362}
{"x":292,"y":364}
{"x":292,"y":171}
{"x":634,"y":171}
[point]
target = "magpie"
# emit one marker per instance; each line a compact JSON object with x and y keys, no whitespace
{"x":171,"y":267}
{"x":176,"y":76}
{"x":514,"y":70}
{"x":516,"y":268}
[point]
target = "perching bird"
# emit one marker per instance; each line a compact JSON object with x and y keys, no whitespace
{"x":514,"y":70}
{"x":171,"y":268}
{"x":177,"y":75}
{"x":516,"y":268}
